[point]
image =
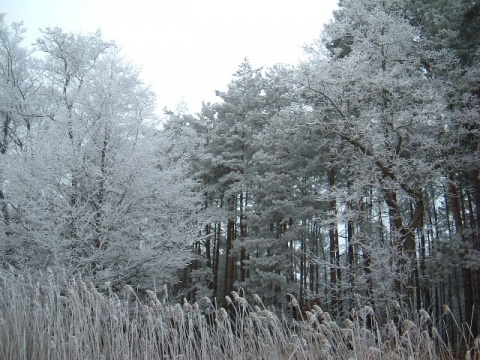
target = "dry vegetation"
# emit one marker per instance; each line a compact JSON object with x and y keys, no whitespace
{"x":50,"y":317}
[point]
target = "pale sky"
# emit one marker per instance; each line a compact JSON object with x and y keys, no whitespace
{"x":186,"y":48}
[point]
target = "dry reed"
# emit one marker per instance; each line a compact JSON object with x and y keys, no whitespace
{"x":51,"y":317}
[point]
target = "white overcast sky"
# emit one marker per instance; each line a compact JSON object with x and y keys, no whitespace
{"x":186,"y":48}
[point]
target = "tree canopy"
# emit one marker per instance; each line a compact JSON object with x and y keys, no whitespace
{"x":352,"y":178}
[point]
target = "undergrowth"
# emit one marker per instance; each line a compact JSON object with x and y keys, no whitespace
{"x":51,"y":317}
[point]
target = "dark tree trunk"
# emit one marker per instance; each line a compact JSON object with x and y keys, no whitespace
{"x":216,"y":261}
{"x":334,"y":250}
{"x":243,"y":236}
{"x":469,"y":296}
{"x":208,"y":242}
{"x":476,"y":239}
{"x":229,"y":278}
{"x":404,"y":240}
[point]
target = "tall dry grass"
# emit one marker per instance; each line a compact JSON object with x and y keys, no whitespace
{"x":51,"y":317}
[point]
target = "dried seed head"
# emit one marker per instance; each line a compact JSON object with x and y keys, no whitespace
{"x":151,"y":295}
{"x":257,"y":298}
{"x":177,"y":313}
{"x":311,"y":317}
{"x":242,"y":302}
{"x":293,"y":301}
{"x":207,"y":300}
{"x":446,"y":309}
{"x":235,"y":295}
{"x":424,"y":317}
{"x":409,"y":325}
{"x":186,"y":306}
{"x":151,"y":304}
{"x":334,"y":326}
{"x":129,"y":290}
{"x":391,"y":328}
{"x":196,"y":308}
{"x":271,"y":317}
{"x":223,"y":314}
{"x":368,"y":310}
{"x":326,"y":330}
{"x":348,"y":324}
{"x":318,"y":309}
{"x":324,"y":342}
{"x":228,"y":299}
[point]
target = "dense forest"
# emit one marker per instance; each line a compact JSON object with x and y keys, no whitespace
{"x":350,"y":179}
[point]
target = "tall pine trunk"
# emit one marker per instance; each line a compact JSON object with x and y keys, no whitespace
{"x":334,"y":249}
{"x":469,"y":297}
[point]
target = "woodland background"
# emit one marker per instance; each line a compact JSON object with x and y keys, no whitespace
{"x":350,"y":179}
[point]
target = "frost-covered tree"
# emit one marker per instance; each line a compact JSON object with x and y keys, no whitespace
{"x":454,"y":26}
{"x":373,"y":91}
{"x":230,"y":149}
{"x":282,"y":220}
{"x":225,"y":165}
{"x":99,"y":191}
{"x":19,"y":82}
